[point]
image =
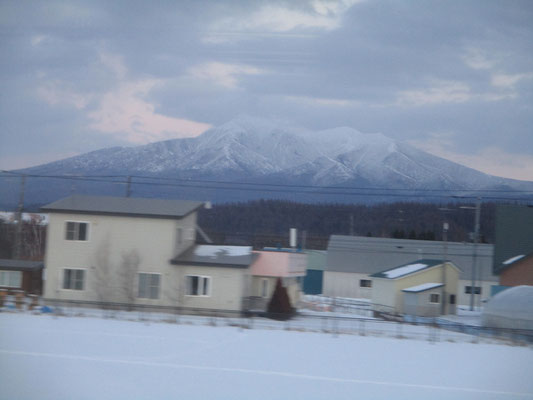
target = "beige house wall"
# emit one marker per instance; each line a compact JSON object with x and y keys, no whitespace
{"x":389,"y":291}
{"x":228,"y":287}
{"x":257,"y":282}
{"x":345,"y":284}
{"x":384,"y":293}
{"x":110,"y":239}
{"x":294,"y":290}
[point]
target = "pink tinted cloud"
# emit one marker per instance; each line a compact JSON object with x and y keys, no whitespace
{"x":125,"y":114}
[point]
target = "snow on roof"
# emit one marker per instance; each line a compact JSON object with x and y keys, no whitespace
{"x":513,"y":259}
{"x":406,"y":269}
{"x":422,"y":287}
{"x":214,"y":251}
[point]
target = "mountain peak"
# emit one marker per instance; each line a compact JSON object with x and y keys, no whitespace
{"x":254,"y":149}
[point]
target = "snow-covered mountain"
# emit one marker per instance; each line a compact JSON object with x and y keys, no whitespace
{"x":256,"y":150}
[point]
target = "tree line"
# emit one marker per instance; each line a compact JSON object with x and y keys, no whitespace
{"x":265,"y":223}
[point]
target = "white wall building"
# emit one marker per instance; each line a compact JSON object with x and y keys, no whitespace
{"x":352,"y":259}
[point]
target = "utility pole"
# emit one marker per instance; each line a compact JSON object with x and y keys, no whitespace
{"x":445,"y":259}
{"x":477,"y":209}
{"x":474,"y":257}
{"x":128,"y":187}
{"x":20,"y":208}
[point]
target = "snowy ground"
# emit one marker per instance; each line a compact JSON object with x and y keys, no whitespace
{"x":47,"y":357}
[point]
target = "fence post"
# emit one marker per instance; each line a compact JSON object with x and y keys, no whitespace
{"x":432,"y":333}
{"x":399,"y":330}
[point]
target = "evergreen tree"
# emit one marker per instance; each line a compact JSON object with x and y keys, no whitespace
{"x":279,"y":306}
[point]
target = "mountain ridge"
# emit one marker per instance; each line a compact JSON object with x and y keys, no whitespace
{"x":257,"y":150}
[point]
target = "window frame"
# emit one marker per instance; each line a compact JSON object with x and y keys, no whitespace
{"x":453,"y":299}
{"x":72,"y":281}
{"x":204,"y":278}
{"x":76,"y":232}
{"x":367,"y":283}
{"x":431,"y":298}
{"x":477,"y":289}
{"x":9,"y":274}
{"x":149,"y":286}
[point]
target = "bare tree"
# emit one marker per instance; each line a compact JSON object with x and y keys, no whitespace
{"x":176,"y":289}
{"x":127,"y":274}
{"x":102,"y":282}
{"x":34,"y":237}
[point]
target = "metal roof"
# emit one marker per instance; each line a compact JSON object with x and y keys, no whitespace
{"x":514,"y":261}
{"x":125,"y":206}
{"x":407,"y":269}
{"x":20,"y":265}
{"x":422,"y":288}
{"x":217,"y":256}
{"x":369,"y":255}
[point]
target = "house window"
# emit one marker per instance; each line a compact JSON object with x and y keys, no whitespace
{"x":264,"y":287}
{"x":149,"y":286}
{"x":11,"y":279}
{"x":452,"y":299}
{"x":365,"y":283}
{"x":198,"y":285}
{"x":434,"y":298}
{"x":77,"y":231}
{"x":73,"y":279}
{"x":477,"y":289}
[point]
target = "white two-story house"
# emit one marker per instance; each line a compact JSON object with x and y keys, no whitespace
{"x":119,"y":249}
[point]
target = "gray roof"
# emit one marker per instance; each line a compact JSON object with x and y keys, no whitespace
{"x":20,"y":265}
{"x":126,"y":206}
{"x":217,"y":256}
{"x":369,"y":255}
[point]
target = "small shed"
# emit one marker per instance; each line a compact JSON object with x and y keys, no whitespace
{"x":21,"y":275}
{"x":431,"y":285}
{"x":423,"y":300}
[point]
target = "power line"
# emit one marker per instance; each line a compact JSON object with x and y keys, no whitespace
{"x":271,"y":188}
{"x":100,"y":178}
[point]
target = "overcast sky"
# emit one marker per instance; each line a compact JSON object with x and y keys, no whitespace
{"x":454,"y":78}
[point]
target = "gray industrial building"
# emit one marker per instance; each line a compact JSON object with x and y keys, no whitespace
{"x":352,"y":259}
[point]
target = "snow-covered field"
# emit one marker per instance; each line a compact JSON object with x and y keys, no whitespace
{"x":46,"y":357}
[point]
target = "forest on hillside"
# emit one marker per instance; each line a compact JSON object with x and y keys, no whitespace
{"x":267,"y":222}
